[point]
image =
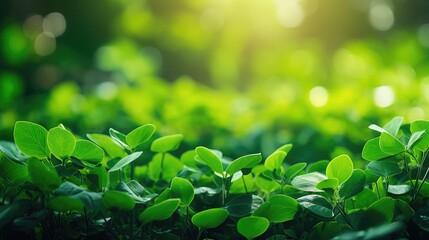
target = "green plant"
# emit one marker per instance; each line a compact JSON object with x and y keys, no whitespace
{"x":55,"y":185}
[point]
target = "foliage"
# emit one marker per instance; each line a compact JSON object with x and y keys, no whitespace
{"x":56,"y":185}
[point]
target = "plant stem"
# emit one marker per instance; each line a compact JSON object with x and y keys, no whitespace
{"x":223,"y":191}
{"x":162,"y":166}
{"x":244,"y":184}
{"x":387,"y":186}
{"x":199,"y":234}
{"x":342,"y":211}
{"x":408,"y":172}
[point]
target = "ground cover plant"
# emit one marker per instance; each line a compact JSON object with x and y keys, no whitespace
{"x":55,"y":185}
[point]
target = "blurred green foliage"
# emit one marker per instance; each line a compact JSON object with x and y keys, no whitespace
{"x":237,"y":75}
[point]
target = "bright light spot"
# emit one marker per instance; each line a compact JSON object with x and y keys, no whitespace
{"x":381,"y":17}
{"x":319,"y":96}
{"x":44,"y":44}
{"x":54,"y":23}
{"x":416,"y":113}
{"x":383,"y":96}
{"x":289,"y":13}
{"x":106,"y":90}
{"x":33,"y":26}
{"x":423,"y":35}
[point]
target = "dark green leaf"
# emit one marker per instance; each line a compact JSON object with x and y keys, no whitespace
{"x":43,"y":175}
{"x":379,"y":213}
{"x":385,"y":168}
{"x":65,"y":204}
{"x":279,"y":208}
{"x":243,"y":205}
{"x":317,"y":205}
{"x":354,"y":185}
{"x":12,"y":152}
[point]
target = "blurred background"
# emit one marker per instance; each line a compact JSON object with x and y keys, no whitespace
{"x":242,"y":76}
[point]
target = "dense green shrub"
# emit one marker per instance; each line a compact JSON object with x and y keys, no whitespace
{"x":55,"y":185}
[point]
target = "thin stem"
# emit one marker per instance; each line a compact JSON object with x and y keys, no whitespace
{"x":387,"y":186}
{"x":162,"y":166}
{"x":199,"y":234}
{"x":408,"y":172}
{"x":342,"y":211}
{"x":223,"y":191}
{"x":378,"y":191}
{"x":244,"y":184}
{"x":423,"y":181}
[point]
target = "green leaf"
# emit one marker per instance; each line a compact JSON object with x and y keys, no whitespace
{"x":125,"y":161}
{"x":183,"y":189}
{"x":91,"y":200}
{"x":377,"y":128}
{"x":248,"y":161}
{"x":294,"y":170}
{"x":393,"y":126}
{"x":252,"y":227}
{"x":96,"y":180}
{"x":160,"y":211}
{"x":319,"y":166}
{"x":118,"y":200}
{"x":403,"y":211}
{"x":308,"y":182}
{"x":211,"y":159}
{"x":140,"y":135}
{"x":340,"y":168}
{"x":385,"y":168}
{"x":210,"y":218}
{"x":12,"y":152}
{"x":390,"y":145}
{"x":61,"y":143}
{"x":379,"y":232}
{"x":243,"y":205}
{"x":330,"y":183}
{"x":12,"y":211}
{"x":317,"y":205}
{"x":275,"y":160}
{"x":365,"y":198}
{"x":414,"y":138}
{"x":327,"y":230}
{"x":43,"y":175}
{"x":12,"y":171}
{"x":65,"y":204}
{"x":279,"y":208}
{"x":423,"y":143}
{"x":31,"y":139}
{"x":399,"y":189}
{"x":353,"y":186}
{"x":380,"y":212}
{"x":171,"y":167}
{"x":88,"y":152}
{"x":372,"y":151}
{"x":285,"y":148}
{"x":112,"y":148}
{"x":167,"y":143}
{"x":119,"y":137}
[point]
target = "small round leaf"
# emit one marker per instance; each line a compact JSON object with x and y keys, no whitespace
{"x":210,"y":218}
